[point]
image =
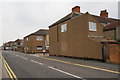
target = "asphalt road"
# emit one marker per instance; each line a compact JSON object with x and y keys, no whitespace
{"x":29,"y":66}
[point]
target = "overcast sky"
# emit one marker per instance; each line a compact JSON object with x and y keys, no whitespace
{"x":19,"y":18}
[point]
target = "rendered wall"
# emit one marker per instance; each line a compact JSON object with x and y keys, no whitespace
{"x":75,"y":42}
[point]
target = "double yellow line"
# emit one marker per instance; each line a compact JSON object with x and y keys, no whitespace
{"x":9,"y":70}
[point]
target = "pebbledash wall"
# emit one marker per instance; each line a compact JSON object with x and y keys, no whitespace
{"x":75,"y":41}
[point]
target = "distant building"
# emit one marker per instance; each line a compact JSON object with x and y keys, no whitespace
{"x":8,"y":45}
{"x":36,"y":42}
{"x":79,"y":35}
{"x":18,"y":45}
{"x":112,"y":31}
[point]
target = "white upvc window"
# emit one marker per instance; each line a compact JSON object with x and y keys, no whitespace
{"x":63,"y":27}
{"x":92,"y":26}
{"x":27,"y":38}
{"x":27,"y":48}
{"x":39,"y":38}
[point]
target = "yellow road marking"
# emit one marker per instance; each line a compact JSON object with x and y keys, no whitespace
{"x":81,"y":65}
{"x":9,"y":70}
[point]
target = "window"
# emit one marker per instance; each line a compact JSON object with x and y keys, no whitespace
{"x":27,"y":39}
{"x":47,"y":47}
{"x":63,"y":27}
{"x":27,"y":48}
{"x":39,"y":38}
{"x":18,"y":43}
{"x":92,"y":26}
{"x":39,"y":47}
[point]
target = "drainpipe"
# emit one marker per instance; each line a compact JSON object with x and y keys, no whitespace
{"x":103,"y":51}
{"x":44,"y":42}
{"x":57,"y":41}
{"x":115,"y":34}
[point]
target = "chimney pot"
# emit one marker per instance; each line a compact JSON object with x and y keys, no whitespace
{"x":104,"y":13}
{"x":76,"y":9}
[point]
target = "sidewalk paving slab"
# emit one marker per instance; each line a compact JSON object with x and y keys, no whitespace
{"x":3,"y":71}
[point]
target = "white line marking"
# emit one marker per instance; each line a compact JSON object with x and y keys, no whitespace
{"x":66,"y":72}
{"x":37,"y":62}
{"x":23,"y":57}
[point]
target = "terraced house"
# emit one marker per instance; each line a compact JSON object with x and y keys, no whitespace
{"x":9,"y":45}
{"x":35,"y":42}
{"x":80,"y":35}
{"x":18,"y":45}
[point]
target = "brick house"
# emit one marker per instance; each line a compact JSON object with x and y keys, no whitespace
{"x":8,"y":45}
{"x":112,"y":31}
{"x":112,"y":45}
{"x":35,"y":42}
{"x":18,"y":45}
{"x":79,"y":34}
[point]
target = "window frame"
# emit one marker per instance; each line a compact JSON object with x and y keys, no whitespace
{"x":64,"y":27}
{"x":27,"y":39}
{"x":92,"y":26}
{"x":39,"y":37}
{"x":39,"y":47}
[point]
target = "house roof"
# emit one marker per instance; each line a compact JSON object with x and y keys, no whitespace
{"x":67,"y":17}
{"x":18,"y":40}
{"x":104,"y":19}
{"x":110,"y":42}
{"x":74,"y":14}
{"x":10,"y":42}
{"x":112,"y":25}
{"x":39,"y":32}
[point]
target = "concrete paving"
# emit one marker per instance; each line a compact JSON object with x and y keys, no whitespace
{"x":3,"y":72}
{"x":0,"y":65}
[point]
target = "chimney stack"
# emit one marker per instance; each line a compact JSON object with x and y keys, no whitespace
{"x":104,"y":13}
{"x":76,"y":9}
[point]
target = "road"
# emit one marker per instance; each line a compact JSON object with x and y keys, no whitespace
{"x":30,"y":66}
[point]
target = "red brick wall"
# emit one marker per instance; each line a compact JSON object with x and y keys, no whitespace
{"x":115,"y":53}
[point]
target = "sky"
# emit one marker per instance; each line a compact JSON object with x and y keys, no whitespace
{"x":19,"y":18}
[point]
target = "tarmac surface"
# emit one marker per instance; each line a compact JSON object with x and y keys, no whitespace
{"x":39,"y":66}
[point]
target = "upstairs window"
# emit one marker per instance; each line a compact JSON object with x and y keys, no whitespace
{"x":27,"y":39}
{"x":92,"y":26}
{"x":63,"y":27}
{"x":40,"y":38}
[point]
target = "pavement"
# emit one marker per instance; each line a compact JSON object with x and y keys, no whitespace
{"x":0,"y":66}
{"x":93,"y":63}
{"x":40,"y":66}
{"x":3,"y":71}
